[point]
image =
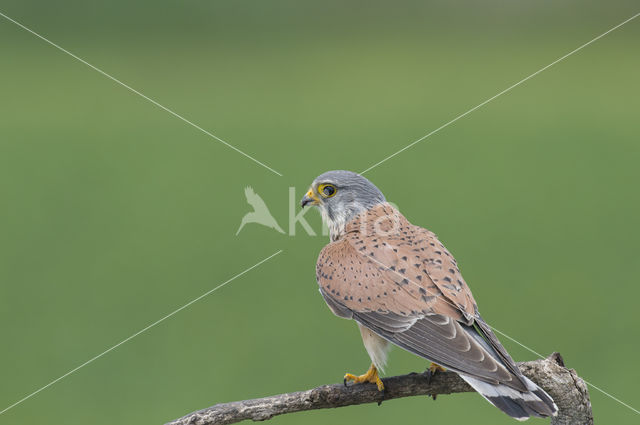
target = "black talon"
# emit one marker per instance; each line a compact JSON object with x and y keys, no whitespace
{"x":382,"y":394}
{"x":429,"y":376}
{"x":345,"y":382}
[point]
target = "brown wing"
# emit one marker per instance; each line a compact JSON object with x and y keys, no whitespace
{"x":399,"y":281}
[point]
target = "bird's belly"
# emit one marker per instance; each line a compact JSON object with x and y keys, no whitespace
{"x":377,"y":347}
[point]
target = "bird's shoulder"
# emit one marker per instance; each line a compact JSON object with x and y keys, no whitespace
{"x":384,"y":263}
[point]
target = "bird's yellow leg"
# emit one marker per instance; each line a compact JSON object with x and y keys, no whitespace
{"x":433,"y":368}
{"x":370,"y":376}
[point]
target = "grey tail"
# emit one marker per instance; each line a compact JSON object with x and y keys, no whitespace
{"x":517,"y":404}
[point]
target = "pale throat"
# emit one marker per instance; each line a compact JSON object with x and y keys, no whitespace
{"x":337,"y":219}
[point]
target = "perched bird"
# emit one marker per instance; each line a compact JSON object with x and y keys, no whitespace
{"x":260,"y":213}
{"x":402,"y":287}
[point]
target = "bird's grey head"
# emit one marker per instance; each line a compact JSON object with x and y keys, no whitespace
{"x":341,"y":195}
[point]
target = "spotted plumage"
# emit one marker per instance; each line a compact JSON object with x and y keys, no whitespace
{"x":402,"y":286}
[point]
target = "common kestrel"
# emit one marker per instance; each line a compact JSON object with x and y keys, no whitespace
{"x":402,"y":287}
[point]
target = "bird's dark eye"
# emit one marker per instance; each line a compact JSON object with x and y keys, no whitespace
{"x":327,"y":190}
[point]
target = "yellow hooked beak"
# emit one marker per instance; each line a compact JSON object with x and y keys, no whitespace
{"x":309,"y":199}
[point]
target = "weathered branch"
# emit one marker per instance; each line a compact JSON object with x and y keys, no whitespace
{"x":563,"y":385}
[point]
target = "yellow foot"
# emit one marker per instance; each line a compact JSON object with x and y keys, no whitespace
{"x":371,"y":376}
{"x":433,"y":368}
{"x":436,"y":368}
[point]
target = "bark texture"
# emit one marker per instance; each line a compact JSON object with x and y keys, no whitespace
{"x":565,"y":387}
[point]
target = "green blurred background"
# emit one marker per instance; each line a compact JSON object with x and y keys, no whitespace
{"x":115,"y":213}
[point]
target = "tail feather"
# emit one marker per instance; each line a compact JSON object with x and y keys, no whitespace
{"x":517,"y":404}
